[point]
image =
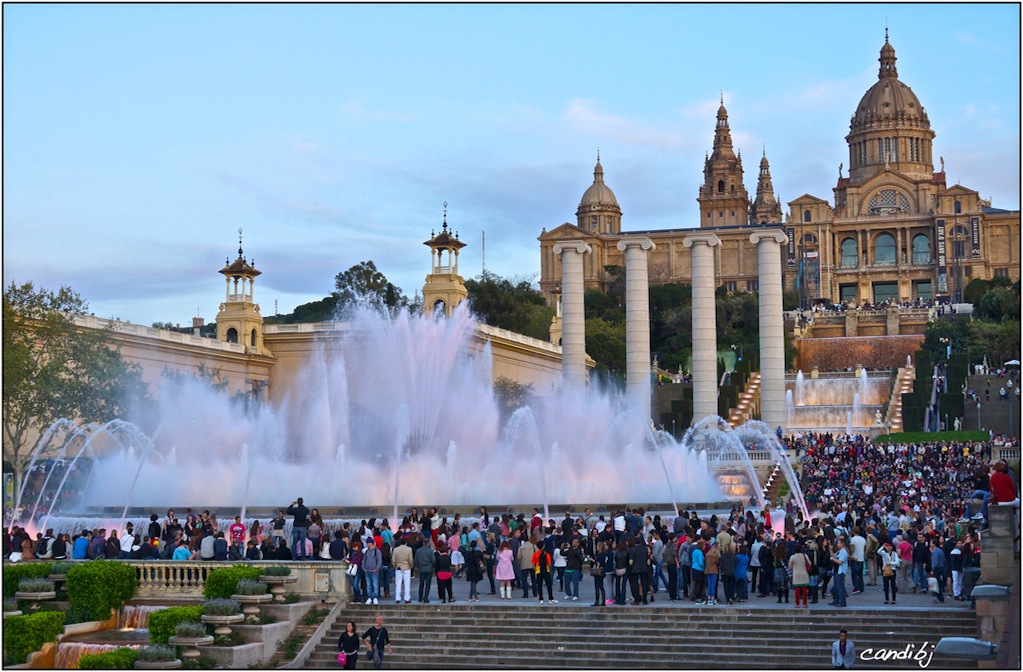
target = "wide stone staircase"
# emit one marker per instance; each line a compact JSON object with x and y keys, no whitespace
{"x":561,"y":636}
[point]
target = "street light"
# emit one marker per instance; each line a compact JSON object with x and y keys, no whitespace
{"x":978,"y":416}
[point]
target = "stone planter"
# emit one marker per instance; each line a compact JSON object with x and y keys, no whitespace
{"x":222,"y":622}
{"x":16,"y":612}
{"x":158,"y":664}
{"x":251,"y":602}
{"x":190,"y":645}
{"x":57,"y":579}
{"x":277,"y":584}
{"x":35,"y":597}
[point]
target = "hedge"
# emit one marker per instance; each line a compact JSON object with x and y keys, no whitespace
{"x":223,"y":582}
{"x":933,"y":437}
{"x":162,"y":622}
{"x":99,"y":586}
{"x":15,"y":572}
{"x":26,"y":634}
{"x":121,"y":658}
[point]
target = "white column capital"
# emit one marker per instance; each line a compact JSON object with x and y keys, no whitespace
{"x":776,"y":235}
{"x":641,"y":242}
{"x":704,"y":237}
{"x":571,"y":245}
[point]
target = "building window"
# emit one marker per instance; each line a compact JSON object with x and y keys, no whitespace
{"x":593,"y":223}
{"x":708,"y":215}
{"x":730,"y":286}
{"x":752,"y":285}
{"x":721,"y":186}
{"x":958,"y":207}
{"x":885,"y":291}
{"x":921,"y":249}
{"x":880,"y":150}
{"x":232,"y":335}
{"x":721,"y":213}
{"x":884,"y":250}
{"x":888,"y":202}
{"x":922,"y":289}
{"x":1001,"y":272}
{"x":848,"y":253}
{"x":847,"y":293}
{"x":806,"y":215}
{"x":960,"y":236}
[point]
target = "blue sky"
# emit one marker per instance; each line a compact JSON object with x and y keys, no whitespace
{"x":139,"y":138}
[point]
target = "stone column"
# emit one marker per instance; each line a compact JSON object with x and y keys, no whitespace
{"x":705,"y":337}
{"x":637,"y":323}
{"x":772,"y":327}
{"x":573,"y":317}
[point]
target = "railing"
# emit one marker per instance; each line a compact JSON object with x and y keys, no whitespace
{"x":1005,"y":453}
{"x":127,"y":328}
{"x":186,"y":579}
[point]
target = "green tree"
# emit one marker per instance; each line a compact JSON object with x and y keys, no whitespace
{"x":53,"y":369}
{"x":511,"y":396}
{"x":364,"y":283}
{"x":516,"y":305}
{"x":605,"y":343}
{"x":997,"y":304}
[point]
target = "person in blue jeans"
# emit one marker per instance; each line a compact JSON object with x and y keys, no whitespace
{"x":299,"y":528}
{"x":573,"y":570}
{"x":372,"y":561}
{"x":841,"y":561}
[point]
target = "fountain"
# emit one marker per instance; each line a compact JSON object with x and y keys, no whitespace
{"x":837,"y":403}
{"x":402,"y":411}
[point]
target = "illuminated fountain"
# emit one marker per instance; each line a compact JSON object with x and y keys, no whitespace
{"x":836,"y":404}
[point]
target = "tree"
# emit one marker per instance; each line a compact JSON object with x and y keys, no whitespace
{"x":53,"y":369}
{"x":516,"y":305}
{"x":363,"y":283}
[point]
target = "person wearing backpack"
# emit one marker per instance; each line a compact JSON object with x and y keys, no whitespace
{"x":44,"y":547}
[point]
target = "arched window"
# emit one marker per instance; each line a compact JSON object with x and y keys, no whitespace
{"x":888,"y":202}
{"x":733,"y":188}
{"x":884,"y":250}
{"x":921,"y":249}
{"x":849,"y":253}
{"x":958,"y":207}
{"x":806,"y":215}
{"x":439,"y":308}
{"x":232,"y":335}
{"x":252,"y":338}
{"x":721,"y":186}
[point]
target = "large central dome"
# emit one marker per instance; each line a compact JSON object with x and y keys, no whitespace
{"x":888,"y":98}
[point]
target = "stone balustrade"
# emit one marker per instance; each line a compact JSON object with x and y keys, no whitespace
{"x":185,"y":579}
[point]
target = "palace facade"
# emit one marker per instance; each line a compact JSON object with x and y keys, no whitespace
{"x":896,"y":229}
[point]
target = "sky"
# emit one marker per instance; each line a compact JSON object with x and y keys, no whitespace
{"x":138,"y":139}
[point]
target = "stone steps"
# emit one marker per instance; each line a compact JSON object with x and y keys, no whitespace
{"x":531,"y":637}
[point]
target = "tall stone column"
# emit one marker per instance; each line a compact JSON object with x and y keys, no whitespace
{"x":705,"y":336}
{"x":573,"y":315}
{"x":637,"y":323}
{"x":772,"y":327}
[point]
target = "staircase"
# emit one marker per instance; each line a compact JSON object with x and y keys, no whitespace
{"x":994,"y":413}
{"x":903,"y":385}
{"x":460,"y":636}
{"x":773,"y":485}
{"x":748,"y":402}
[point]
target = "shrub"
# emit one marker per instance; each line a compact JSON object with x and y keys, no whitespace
{"x":25,"y":634}
{"x":101,"y":586}
{"x":121,"y":658}
{"x":35,"y":584}
{"x":10,"y":604}
{"x":189,"y":629}
{"x":277,"y":570}
{"x":221,"y":607}
{"x":162,"y":622}
{"x":62,"y":567}
{"x":13,"y":573}
{"x":157,"y":652}
{"x":76,"y":614}
{"x":250,"y":587}
{"x":292,"y":598}
{"x":223,"y":582}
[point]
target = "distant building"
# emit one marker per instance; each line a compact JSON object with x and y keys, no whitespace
{"x":896,"y":230}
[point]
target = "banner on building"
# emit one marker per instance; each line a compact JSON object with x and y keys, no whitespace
{"x":792,"y":245}
{"x":975,"y":236}
{"x":942,"y":270}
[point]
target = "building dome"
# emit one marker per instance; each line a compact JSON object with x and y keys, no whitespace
{"x":598,"y":193}
{"x":888,"y":98}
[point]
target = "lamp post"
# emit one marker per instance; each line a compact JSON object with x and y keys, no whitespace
{"x":978,"y":416}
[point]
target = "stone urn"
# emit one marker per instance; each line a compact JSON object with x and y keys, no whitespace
{"x":35,"y":597}
{"x":222,"y":621}
{"x":250,"y":605}
{"x":16,"y":612}
{"x":57,"y":579}
{"x":277,"y":584}
{"x":189,"y":645}
{"x":160,"y":664}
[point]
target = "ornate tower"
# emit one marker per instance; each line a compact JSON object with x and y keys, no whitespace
{"x":598,"y":210}
{"x":444,"y":288}
{"x":890,"y":128}
{"x":239,"y":320}
{"x":766,"y":208}
{"x":723,"y":198}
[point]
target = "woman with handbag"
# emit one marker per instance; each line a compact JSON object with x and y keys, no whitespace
{"x":348,"y":647}
{"x":354,"y":570}
{"x":889,"y":563}
{"x":598,"y":570}
{"x":621,"y":565}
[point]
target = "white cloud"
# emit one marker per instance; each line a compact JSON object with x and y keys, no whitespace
{"x":582,"y":114}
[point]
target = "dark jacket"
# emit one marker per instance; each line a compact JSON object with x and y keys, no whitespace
{"x":301,"y":514}
{"x":574,"y":559}
{"x":639,"y":560}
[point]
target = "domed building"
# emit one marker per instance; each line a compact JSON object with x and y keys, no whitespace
{"x":896,"y":229}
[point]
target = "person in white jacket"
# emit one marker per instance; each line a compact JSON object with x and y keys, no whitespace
{"x":889,"y":564}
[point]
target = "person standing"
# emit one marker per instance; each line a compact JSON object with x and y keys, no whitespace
{"x":843,"y":652}
{"x":505,"y":569}
{"x":372,"y":561}
{"x":574,"y":569}
{"x":889,"y":565}
{"x":938,"y":565}
{"x":237,"y":533}
{"x":857,"y":555}
{"x":800,"y":565}
{"x":401,"y":560}
{"x":473,"y":569}
{"x":841,"y":562}
{"x":377,"y":639}
{"x":527,"y":573}
{"x":426,"y":564}
{"x":348,"y":644}
{"x":670,"y":562}
{"x":299,"y":528}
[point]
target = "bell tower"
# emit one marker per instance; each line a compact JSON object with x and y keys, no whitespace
{"x":239,"y":320}
{"x":723,"y":198}
{"x":444,"y":288}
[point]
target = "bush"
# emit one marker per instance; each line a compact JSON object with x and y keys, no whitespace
{"x":189,"y":629}
{"x":221,"y":607}
{"x":223,"y":582}
{"x":162,"y":622}
{"x":13,"y":573}
{"x":25,"y":634}
{"x":100,"y":586}
{"x":250,"y":587}
{"x":157,"y":652}
{"x":277,"y":570}
{"x":35,"y":584}
{"x":121,"y":658}
{"x":62,"y":567}
{"x":10,"y":604}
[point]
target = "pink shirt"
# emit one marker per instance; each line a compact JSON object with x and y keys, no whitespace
{"x":454,"y":541}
